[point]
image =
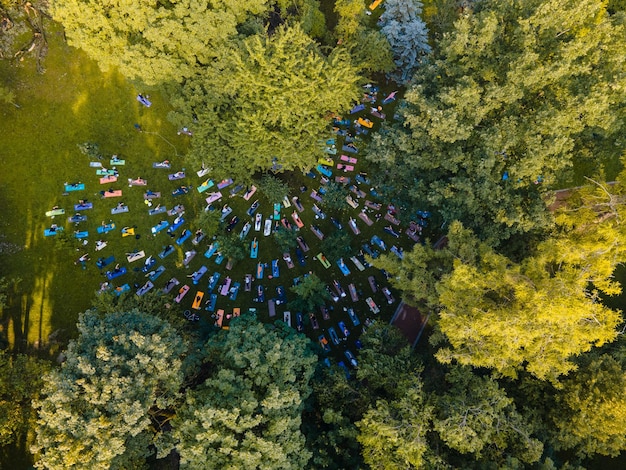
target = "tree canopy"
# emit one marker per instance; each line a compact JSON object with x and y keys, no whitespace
{"x":102,"y":409}
{"x":590,"y":412}
{"x":514,"y":96}
{"x":153,"y":41}
{"x":266,"y":103}
{"x":247,"y":414}
{"x":407,"y":34}
{"x":20,"y":382}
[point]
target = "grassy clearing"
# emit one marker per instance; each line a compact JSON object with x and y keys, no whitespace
{"x":72,"y":103}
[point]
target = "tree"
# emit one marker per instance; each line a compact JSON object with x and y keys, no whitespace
{"x":386,"y":362}
{"x":495,"y":117}
{"x":393,"y":433}
{"x":335,"y":406}
{"x":232,"y":247}
{"x":337,"y":245}
{"x":208,"y":221}
{"x":20,"y":383}
{"x":150,"y":41}
{"x":266,"y":103}
{"x":475,"y":416}
{"x":369,"y":49}
{"x":103,"y":407}
{"x":152,"y":303}
{"x":285,"y":239}
{"x":591,"y":409}
{"x":418,"y":273}
{"x":247,"y":413}
{"x":386,"y":369}
{"x":534,"y":315}
{"x":310,"y":294}
{"x":274,"y":189}
{"x":408,"y":35}
{"x":335,"y":197}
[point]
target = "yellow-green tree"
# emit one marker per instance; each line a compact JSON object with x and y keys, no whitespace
{"x":247,"y":413}
{"x":534,"y":315}
{"x":153,"y":41}
{"x":590,"y":415}
{"x":20,"y":383}
{"x":393,"y":433}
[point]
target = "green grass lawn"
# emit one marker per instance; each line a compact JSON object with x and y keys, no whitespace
{"x":72,"y":103}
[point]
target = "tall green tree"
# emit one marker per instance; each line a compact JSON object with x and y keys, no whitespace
{"x":590,"y":413}
{"x":368,"y":47}
{"x":20,"y":383}
{"x":104,"y":407}
{"x":393,"y":433}
{"x":335,"y":197}
{"x":247,"y":414}
{"x":274,"y":188}
{"x":152,"y":41}
{"x":475,"y":416}
{"x":208,"y":222}
{"x":266,"y":103}
{"x":517,"y":94}
{"x":284,"y":238}
{"x":310,"y":294}
{"x":386,"y":370}
{"x":232,"y":247}
{"x":337,"y":245}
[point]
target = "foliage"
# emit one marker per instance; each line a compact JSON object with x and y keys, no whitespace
{"x":310,"y":294}
{"x":329,"y":425}
{"x":274,"y":189}
{"x":232,"y":247}
{"x":475,"y":416}
{"x":407,"y":34}
{"x":285,"y":239}
{"x":247,"y":413}
{"x":335,"y":197}
{"x":309,"y":15}
{"x":351,"y":18}
{"x":534,"y":315}
{"x":20,"y":383}
{"x":440,"y":15}
{"x":152,"y":42}
{"x":386,"y":369}
{"x":337,"y":245}
{"x":418,"y":273}
{"x":102,"y":408}
{"x":590,"y":411}
{"x":393,"y":433}
{"x":498,"y":109}
{"x":386,"y":362}
{"x":369,"y":49}
{"x":151,"y":303}
{"x":208,"y":222}
{"x":266,"y":102}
